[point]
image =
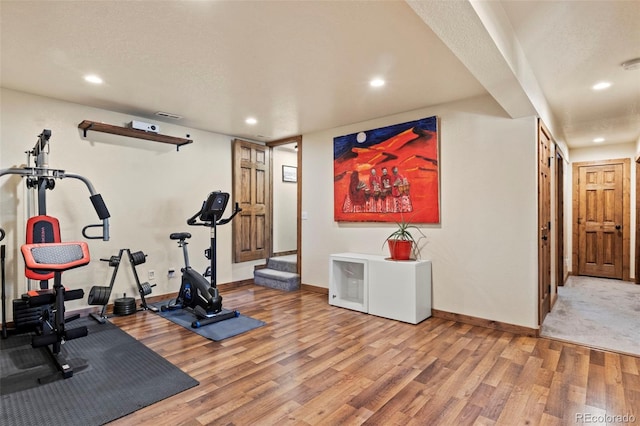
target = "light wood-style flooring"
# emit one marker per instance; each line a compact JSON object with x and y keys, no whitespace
{"x":316,"y":364}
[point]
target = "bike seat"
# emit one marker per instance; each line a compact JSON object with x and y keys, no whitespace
{"x":180,"y":236}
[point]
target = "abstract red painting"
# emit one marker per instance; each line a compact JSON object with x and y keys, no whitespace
{"x":388,"y":174}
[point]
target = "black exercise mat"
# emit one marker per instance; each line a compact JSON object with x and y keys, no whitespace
{"x":216,"y":331}
{"x":114,"y":375}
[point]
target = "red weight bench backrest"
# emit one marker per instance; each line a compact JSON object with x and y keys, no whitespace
{"x":55,"y":257}
{"x":42,"y":229}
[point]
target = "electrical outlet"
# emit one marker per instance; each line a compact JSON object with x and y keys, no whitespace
{"x":171,"y":273}
{"x":152,"y":274}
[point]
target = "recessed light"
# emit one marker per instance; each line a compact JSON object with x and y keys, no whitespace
{"x":251,"y":121}
{"x":598,"y":140}
{"x":92,"y":78}
{"x":376,"y":82}
{"x":601,"y":85}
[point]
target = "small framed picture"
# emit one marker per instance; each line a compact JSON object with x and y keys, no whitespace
{"x":289,"y":174}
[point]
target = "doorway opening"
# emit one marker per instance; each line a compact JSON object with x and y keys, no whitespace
{"x":593,"y":307}
{"x":286,"y":198}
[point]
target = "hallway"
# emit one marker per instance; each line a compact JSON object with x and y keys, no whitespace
{"x":596,"y":312}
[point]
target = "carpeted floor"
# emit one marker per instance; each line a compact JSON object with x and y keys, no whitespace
{"x":596,"y":312}
{"x":114,"y":375}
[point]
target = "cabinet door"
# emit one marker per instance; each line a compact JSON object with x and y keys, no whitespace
{"x":400,"y":290}
{"x":348,"y":283}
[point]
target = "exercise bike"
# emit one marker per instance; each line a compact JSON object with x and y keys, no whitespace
{"x":198,"y":294}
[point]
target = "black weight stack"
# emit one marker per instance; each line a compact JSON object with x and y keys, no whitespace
{"x":27,"y":318}
{"x":124,"y":306}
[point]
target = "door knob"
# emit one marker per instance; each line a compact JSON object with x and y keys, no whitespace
{"x":618,"y":227}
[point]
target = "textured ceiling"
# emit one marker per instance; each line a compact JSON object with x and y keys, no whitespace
{"x":300,"y":67}
{"x":573,"y":45}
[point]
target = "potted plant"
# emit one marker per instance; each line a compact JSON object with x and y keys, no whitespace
{"x":402,"y":244}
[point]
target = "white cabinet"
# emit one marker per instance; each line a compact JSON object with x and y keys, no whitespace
{"x":348,"y":281}
{"x":399,"y":290}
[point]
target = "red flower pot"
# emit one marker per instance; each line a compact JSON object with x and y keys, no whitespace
{"x":400,"y":249}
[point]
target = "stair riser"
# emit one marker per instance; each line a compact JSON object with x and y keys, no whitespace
{"x":290,"y":284}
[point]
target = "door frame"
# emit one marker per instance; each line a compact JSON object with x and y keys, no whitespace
{"x":626,"y":217}
{"x":637,"y":220}
{"x":561,"y":274}
{"x":297,"y":140}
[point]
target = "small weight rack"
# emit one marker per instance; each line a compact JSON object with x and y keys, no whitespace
{"x":144,"y":289}
{"x":99,"y":295}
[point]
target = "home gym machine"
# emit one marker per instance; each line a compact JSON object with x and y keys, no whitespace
{"x":198,"y":294}
{"x":4,"y":295}
{"x":46,"y":257}
{"x":43,"y":178}
{"x":56,"y":257}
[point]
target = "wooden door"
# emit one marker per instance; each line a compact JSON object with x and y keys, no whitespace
{"x":251,"y":189}
{"x":544,"y":222}
{"x":600,"y":220}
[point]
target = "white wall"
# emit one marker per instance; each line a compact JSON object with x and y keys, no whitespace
{"x":285,"y":201}
{"x":149,"y":188}
{"x":484,"y":252}
{"x":598,"y":153}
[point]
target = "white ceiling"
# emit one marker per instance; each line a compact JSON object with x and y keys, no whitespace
{"x":571,"y":45}
{"x":304,"y":66}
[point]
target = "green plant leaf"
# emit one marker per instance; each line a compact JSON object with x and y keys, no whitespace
{"x":403,"y":232}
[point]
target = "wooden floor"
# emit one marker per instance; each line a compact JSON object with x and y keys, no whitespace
{"x":317,"y":364}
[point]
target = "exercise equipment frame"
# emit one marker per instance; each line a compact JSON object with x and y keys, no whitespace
{"x":196,"y":292}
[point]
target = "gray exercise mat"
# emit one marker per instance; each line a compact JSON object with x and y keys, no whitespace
{"x":216,"y":331}
{"x":114,"y":375}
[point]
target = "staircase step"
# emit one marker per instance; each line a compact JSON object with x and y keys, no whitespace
{"x":280,"y":280}
{"x":282,"y":263}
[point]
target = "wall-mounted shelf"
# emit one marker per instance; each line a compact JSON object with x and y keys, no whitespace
{"x":132,"y":133}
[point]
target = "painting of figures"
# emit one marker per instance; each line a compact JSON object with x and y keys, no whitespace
{"x":388,"y":174}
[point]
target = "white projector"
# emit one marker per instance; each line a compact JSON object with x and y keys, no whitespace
{"x":147,"y":127}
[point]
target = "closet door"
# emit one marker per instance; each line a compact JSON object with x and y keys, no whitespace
{"x":251,"y":190}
